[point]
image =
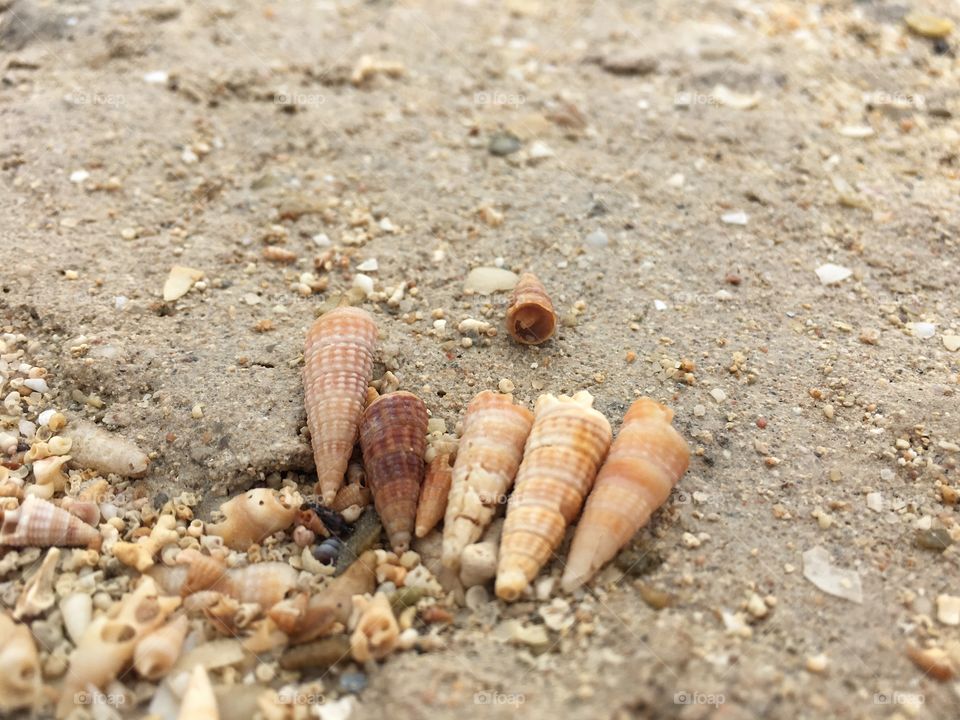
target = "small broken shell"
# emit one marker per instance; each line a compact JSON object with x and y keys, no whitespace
{"x":140,"y":554}
{"x":77,"y":612}
{"x":264,"y":583}
{"x":530,"y":316}
{"x":97,"y":449}
{"x":393,"y":437}
{"x":252,"y":517}
{"x":433,"y":494}
{"x":38,"y":594}
{"x":38,"y":523}
{"x":375,"y":631}
{"x":20,"y":680}
{"x":199,"y":701}
{"x":49,"y":473}
{"x":156,"y":653}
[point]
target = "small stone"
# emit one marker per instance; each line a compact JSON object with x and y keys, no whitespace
{"x":831,"y":274}
{"x":887,"y":474}
{"x":699,"y":410}
{"x":948,"y":609}
{"x":718,"y":395}
{"x":923,"y":330}
{"x":676,"y":180}
{"x":828,"y":411}
{"x":488,"y":280}
{"x":503,"y":144}
{"x":870,"y":336}
{"x":833,"y":580}
{"x":757,"y":607}
{"x":659,"y":305}
{"x":857,"y":132}
{"x":875,"y":501}
{"x":951,"y":342}
{"x":368,"y":265}
{"x":690,"y":540}
{"x":539,"y":150}
{"x":353,"y":682}
{"x":738,"y":101}
{"x":629,"y":63}
{"x":179,"y":281}
{"x":506,"y":386}
{"x":817,"y":663}
{"x":252,"y":298}
{"x":536,"y":636}
{"x":128,"y":233}
{"x":197,"y":412}
{"x":735,"y":218}
{"x":364,"y":283}
{"x":79,"y":176}
{"x":937,"y":539}
{"x":928,"y":26}
{"x":157,"y":77}
{"x":597,"y":239}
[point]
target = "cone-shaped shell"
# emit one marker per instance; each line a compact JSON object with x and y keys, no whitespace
{"x":494,"y":432}
{"x":351,"y":495}
{"x":199,"y":701}
{"x":393,"y":437}
{"x":252,"y":517}
{"x":567,"y":444}
{"x":38,"y":523}
{"x":156,"y":653}
{"x":433,"y":494}
{"x":204,"y":572}
{"x":337,"y":368}
{"x":645,"y":462}
{"x":20,"y":681}
{"x":530,"y":316}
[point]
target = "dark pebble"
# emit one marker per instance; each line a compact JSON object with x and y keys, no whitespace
{"x":353,"y":682}
{"x":503,"y":144}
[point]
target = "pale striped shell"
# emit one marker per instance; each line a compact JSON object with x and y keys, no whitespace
{"x":490,"y":450}
{"x":338,"y":367}
{"x":38,"y":523}
{"x":645,"y":462}
{"x":567,"y":444}
{"x":530,"y":316}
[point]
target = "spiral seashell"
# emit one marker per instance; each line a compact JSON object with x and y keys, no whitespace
{"x":94,"y":448}
{"x":337,"y":368}
{"x":530,"y":316}
{"x":38,"y":523}
{"x":645,"y":462}
{"x":156,"y":653}
{"x":393,"y":437}
{"x":433,"y":494}
{"x":199,"y":701}
{"x":87,"y":511}
{"x":494,"y":432}
{"x":204,"y":572}
{"x":375,"y":631}
{"x":252,"y":517}
{"x":567,"y":443}
{"x":20,"y":681}
{"x":350,"y":496}
{"x":108,"y":643}
{"x":265,"y":583}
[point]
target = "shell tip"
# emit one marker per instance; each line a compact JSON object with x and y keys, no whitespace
{"x":510,"y":584}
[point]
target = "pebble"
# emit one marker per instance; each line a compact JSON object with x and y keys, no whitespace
{"x":718,"y":395}
{"x":699,"y":410}
{"x":937,"y":539}
{"x":817,"y":663}
{"x":875,"y":501}
{"x":536,"y":636}
{"x":928,"y":26}
{"x":488,"y":280}
{"x":79,"y":176}
{"x":353,"y":682}
{"x":368,"y":265}
{"x":503,"y":144}
{"x":923,"y":330}
{"x":757,"y":607}
{"x":676,"y":180}
{"x":831,"y":274}
{"x":659,"y":305}
{"x":951,"y":342}
{"x":364,"y":283}
{"x":37,"y":385}
{"x":597,"y":239}
{"x":735,"y":218}
{"x":725,"y":96}
{"x":833,"y":580}
{"x":948,"y":609}
{"x":887,"y":474}
{"x":858,"y":132}
{"x":179,"y":281}
{"x":157,"y":77}
{"x":539,"y":150}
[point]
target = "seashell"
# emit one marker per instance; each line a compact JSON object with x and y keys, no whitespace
{"x":97,"y":449}
{"x":393,"y":437}
{"x":38,"y":523}
{"x":646,"y":460}
{"x":567,"y":443}
{"x":87,"y":511}
{"x":199,"y":701}
{"x":332,"y":605}
{"x":375,"y":629}
{"x":95,"y":492}
{"x":109,"y":641}
{"x":494,"y":432}
{"x":49,"y":472}
{"x":263,"y":637}
{"x":20,"y":681}
{"x":530,"y":316}
{"x":265,"y":583}
{"x":478,"y":561}
{"x":59,"y":445}
{"x":337,"y":368}
{"x":140,"y":554}
{"x":303,"y":536}
{"x":77,"y":611}
{"x":252,"y":517}
{"x":37,"y":451}
{"x":327,"y":551}
{"x":38,"y":594}
{"x":433,"y":494}
{"x":204,"y":572}
{"x":156,"y":653}
{"x":288,"y":614}
{"x":319,"y":654}
{"x":351,"y":495}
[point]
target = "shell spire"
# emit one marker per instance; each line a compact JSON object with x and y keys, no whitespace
{"x":38,"y":523}
{"x":338,"y":367}
{"x":646,"y":460}
{"x":567,"y":443}
{"x":433,"y":494}
{"x":393,"y":437}
{"x":490,"y":450}
{"x":530,"y":316}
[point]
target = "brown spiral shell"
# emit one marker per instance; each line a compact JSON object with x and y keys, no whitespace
{"x":494,"y":431}
{"x":350,"y":495}
{"x":433,"y":494}
{"x":567,"y":443}
{"x":38,"y":523}
{"x":393,"y":438}
{"x":530,"y":316}
{"x":338,"y":366}
{"x":645,"y":462}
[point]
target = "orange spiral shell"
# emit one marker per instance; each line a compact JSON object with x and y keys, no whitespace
{"x":338,"y":366}
{"x":433,"y":494}
{"x":567,"y":443}
{"x":393,"y":437}
{"x":494,"y":431}
{"x":530,"y":316}
{"x":646,"y":460}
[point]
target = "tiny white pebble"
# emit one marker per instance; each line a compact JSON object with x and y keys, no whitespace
{"x":78,"y":176}
{"x":718,"y":395}
{"x":36,"y":384}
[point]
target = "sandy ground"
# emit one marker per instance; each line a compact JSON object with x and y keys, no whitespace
{"x":141,"y":135}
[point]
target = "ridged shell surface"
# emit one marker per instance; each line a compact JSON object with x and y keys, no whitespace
{"x":433,"y":494}
{"x":393,"y":437}
{"x":567,"y":444}
{"x":645,"y":462}
{"x":38,"y":523}
{"x":338,"y":366}
{"x":530,"y":316}
{"x":489,"y":454}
